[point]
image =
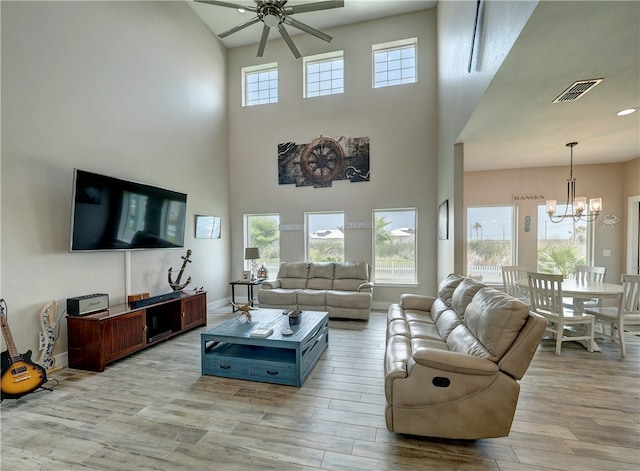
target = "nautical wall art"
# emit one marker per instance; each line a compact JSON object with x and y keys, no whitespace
{"x":324,"y":160}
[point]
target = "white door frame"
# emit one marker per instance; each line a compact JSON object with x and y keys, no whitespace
{"x":633,"y":223}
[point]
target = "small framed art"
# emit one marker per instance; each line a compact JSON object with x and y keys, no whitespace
{"x":207,"y":227}
{"x":443,"y":220}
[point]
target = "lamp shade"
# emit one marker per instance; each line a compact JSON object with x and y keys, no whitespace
{"x":251,"y":253}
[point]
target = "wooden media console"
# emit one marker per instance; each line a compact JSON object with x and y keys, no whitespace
{"x":97,"y":339}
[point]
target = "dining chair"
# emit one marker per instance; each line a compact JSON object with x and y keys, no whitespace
{"x":625,"y":316}
{"x":586,"y":273}
{"x":545,"y":292}
{"x":511,"y":275}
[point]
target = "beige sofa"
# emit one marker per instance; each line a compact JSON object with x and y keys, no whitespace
{"x":342,"y":289}
{"x":452,"y":362}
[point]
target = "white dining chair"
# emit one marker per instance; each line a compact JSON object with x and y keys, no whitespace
{"x":625,"y":316}
{"x":545,"y":292}
{"x":511,"y":275}
{"x":586,"y":273}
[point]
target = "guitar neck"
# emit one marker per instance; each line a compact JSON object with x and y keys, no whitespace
{"x":6,"y":332}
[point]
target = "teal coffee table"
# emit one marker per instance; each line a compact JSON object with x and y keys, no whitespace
{"x":229,"y":350}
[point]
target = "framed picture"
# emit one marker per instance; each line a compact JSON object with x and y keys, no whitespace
{"x":443,"y":220}
{"x":246,"y":276}
{"x":207,"y":227}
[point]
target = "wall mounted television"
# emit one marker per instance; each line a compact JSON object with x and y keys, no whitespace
{"x":109,"y":213}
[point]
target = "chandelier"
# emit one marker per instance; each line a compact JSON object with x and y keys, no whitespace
{"x":576,"y":206}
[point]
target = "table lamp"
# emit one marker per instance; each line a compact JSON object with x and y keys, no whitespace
{"x":253,"y":254}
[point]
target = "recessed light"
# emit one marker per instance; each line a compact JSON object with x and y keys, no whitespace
{"x":627,"y":111}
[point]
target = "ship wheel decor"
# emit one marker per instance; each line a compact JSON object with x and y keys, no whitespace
{"x":323,"y":160}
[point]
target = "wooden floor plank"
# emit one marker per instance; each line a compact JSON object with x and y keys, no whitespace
{"x":153,"y":410}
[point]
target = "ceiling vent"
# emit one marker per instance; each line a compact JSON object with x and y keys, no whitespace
{"x":576,"y":90}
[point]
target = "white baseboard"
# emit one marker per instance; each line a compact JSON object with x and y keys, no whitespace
{"x":218,"y":303}
{"x":380,"y":305}
{"x":61,"y":360}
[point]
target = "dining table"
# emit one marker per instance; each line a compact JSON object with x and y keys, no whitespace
{"x":581,"y":291}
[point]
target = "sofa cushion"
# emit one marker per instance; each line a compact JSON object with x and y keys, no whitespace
{"x":349,"y":299}
{"x":446,"y":322}
{"x":463,"y":294}
{"x":462,"y":340}
{"x":278,"y":296}
{"x":395,"y":312}
{"x":311,"y":299}
{"x":349,"y":275}
{"x":447,"y":286}
{"x":293,"y":275}
{"x":398,"y":327}
{"x":437,"y":308}
{"x":423,"y":330}
{"x":417,"y":344}
{"x":321,"y":275}
{"x":495,"y":319}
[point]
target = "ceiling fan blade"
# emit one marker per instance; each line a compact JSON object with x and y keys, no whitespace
{"x":244,"y":25}
{"x":227,"y":4}
{"x":287,"y":39}
{"x":263,"y":40}
{"x":308,"y":29}
{"x":314,"y":6}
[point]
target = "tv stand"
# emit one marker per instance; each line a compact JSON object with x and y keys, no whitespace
{"x":98,"y":339}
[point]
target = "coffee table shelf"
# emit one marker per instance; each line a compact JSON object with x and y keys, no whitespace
{"x":229,"y":351}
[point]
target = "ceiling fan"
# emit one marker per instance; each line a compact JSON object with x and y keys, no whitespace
{"x":275,"y":14}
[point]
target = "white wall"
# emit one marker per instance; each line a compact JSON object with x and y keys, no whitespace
{"x":459,"y":92}
{"x":130,"y":89}
{"x":400,"y":121}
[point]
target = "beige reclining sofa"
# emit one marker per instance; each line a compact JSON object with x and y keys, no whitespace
{"x":342,"y":289}
{"x":452,"y":362}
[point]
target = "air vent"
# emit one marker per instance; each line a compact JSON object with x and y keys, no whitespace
{"x":577,"y":89}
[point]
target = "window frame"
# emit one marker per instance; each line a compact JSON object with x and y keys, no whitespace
{"x":389,"y":47}
{"x":391,"y":282}
{"x":543,"y":218}
{"x":513,"y":228}
{"x":307,"y":233}
{"x":259,"y":69}
{"x":248,"y":242}
{"x":328,"y":57}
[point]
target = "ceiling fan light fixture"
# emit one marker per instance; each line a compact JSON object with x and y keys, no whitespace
{"x":271,"y":20}
{"x":274,"y":14}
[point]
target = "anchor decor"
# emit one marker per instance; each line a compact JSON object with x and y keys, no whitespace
{"x":176,"y":286}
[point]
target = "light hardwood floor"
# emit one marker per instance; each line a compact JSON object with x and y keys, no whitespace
{"x":154,"y":411}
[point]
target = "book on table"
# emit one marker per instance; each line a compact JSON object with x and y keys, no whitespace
{"x":261,"y":332}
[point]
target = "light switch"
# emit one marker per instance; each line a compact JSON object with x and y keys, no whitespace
{"x":606,"y":253}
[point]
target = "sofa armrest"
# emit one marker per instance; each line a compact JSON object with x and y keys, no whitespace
{"x":367,"y":287}
{"x":273,"y":284}
{"x":416,"y":302}
{"x":454,"y":362}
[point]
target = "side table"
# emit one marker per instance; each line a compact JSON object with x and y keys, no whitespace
{"x":248,"y":284}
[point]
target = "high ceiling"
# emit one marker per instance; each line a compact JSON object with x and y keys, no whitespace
{"x":516,"y":125}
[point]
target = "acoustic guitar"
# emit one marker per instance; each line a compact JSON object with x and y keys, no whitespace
{"x":20,"y":375}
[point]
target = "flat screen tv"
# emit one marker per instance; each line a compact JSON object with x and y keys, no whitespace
{"x":113,"y":214}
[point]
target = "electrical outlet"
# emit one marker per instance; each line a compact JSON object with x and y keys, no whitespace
{"x":606,"y":253}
